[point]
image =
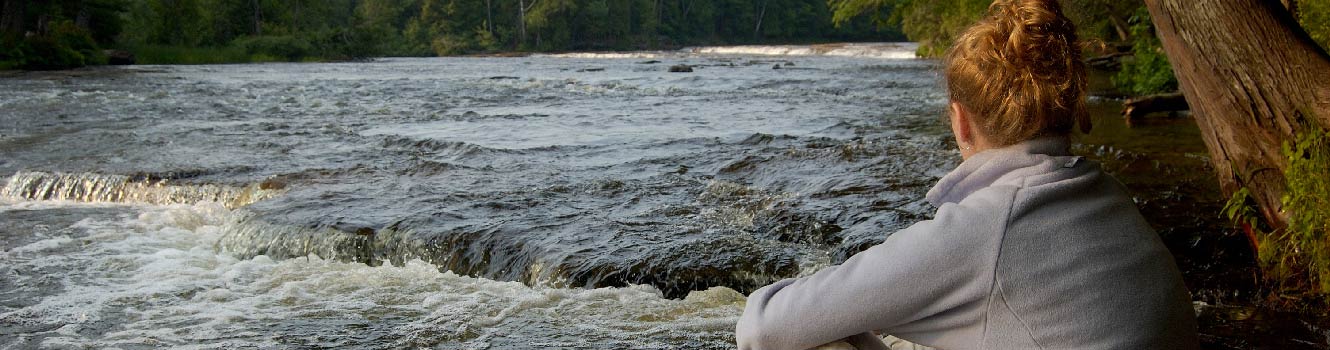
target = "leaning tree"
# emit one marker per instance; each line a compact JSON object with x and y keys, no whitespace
{"x":1255,"y":81}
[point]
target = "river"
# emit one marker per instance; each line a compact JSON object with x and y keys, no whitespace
{"x":586,"y":200}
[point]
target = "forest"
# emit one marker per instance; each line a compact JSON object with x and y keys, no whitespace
{"x":62,"y":33}
{"x":55,"y":34}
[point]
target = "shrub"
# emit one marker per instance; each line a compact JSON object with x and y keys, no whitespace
{"x":162,"y":54}
{"x":64,"y":46}
{"x":12,"y":53}
{"x":284,"y":47}
{"x":450,"y":45}
{"x":1303,"y":248}
{"x":66,"y":34}
{"x":44,"y":53}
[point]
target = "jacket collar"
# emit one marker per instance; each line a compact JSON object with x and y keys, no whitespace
{"x":985,"y":168}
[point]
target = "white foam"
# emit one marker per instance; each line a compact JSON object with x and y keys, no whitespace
{"x":608,"y":55}
{"x":865,"y":50}
{"x":154,"y":279}
{"x":893,"y":51}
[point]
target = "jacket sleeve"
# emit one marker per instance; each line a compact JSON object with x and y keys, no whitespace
{"x":919,"y":276}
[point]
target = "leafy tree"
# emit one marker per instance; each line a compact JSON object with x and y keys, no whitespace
{"x":1103,"y":19}
{"x":934,"y":24}
{"x":1314,"y":15}
{"x":1148,"y":70}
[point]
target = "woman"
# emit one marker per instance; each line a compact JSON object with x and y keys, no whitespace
{"x":1030,"y":248}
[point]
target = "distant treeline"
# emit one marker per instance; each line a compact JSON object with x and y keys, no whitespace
{"x":47,"y":34}
{"x":348,"y":29}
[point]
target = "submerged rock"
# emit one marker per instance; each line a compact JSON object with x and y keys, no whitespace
{"x":681,"y":68}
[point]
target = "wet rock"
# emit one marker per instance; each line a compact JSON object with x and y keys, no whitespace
{"x":272,"y":184}
{"x":681,"y":68}
{"x":583,"y":70}
{"x":119,"y":57}
{"x":649,"y":62}
{"x":777,"y":66}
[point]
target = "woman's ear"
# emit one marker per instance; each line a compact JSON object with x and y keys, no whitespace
{"x":960,"y":125}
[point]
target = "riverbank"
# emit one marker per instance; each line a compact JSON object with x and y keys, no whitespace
{"x":1166,"y":167}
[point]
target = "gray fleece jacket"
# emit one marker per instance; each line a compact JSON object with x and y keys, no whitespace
{"x":1030,"y":248}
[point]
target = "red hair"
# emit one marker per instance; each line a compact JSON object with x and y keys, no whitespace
{"x":1019,"y":73}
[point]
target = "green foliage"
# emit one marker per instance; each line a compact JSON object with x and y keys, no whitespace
{"x":163,"y":54}
{"x":451,"y":27}
{"x":1148,"y":70}
{"x":60,"y":34}
{"x":245,"y":30}
{"x":68,"y":35}
{"x":283,"y":47}
{"x":45,"y":53}
{"x":1241,"y":209}
{"x":1314,"y":15}
{"x":12,"y":54}
{"x":1106,"y":20}
{"x":845,"y":10}
{"x":1303,"y":248}
{"x":934,"y":24}
{"x":64,"y":46}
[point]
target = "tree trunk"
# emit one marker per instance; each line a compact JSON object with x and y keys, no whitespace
{"x":521,"y":22}
{"x":757,"y":30}
{"x":1255,"y":79}
{"x":258,"y":18}
{"x":489,"y":18}
{"x":298,"y":15}
{"x":11,"y":17}
{"x":1120,"y":26}
{"x":84,"y":18}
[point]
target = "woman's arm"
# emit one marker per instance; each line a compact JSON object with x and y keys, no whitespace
{"x":933,"y":274}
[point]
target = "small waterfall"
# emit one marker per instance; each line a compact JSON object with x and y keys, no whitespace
{"x":490,"y":254}
{"x":91,"y":187}
{"x":247,"y":236}
{"x":867,"y":50}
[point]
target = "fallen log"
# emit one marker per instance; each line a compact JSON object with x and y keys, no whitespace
{"x":1110,"y":62}
{"x":1140,"y":106}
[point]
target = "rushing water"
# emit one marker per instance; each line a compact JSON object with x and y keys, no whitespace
{"x":590,"y":200}
{"x":584,"y":200}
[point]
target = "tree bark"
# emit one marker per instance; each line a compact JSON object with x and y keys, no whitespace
{"x":1254,"y":79}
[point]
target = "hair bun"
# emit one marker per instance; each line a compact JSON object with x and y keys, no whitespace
{"x":1036,"y":31}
